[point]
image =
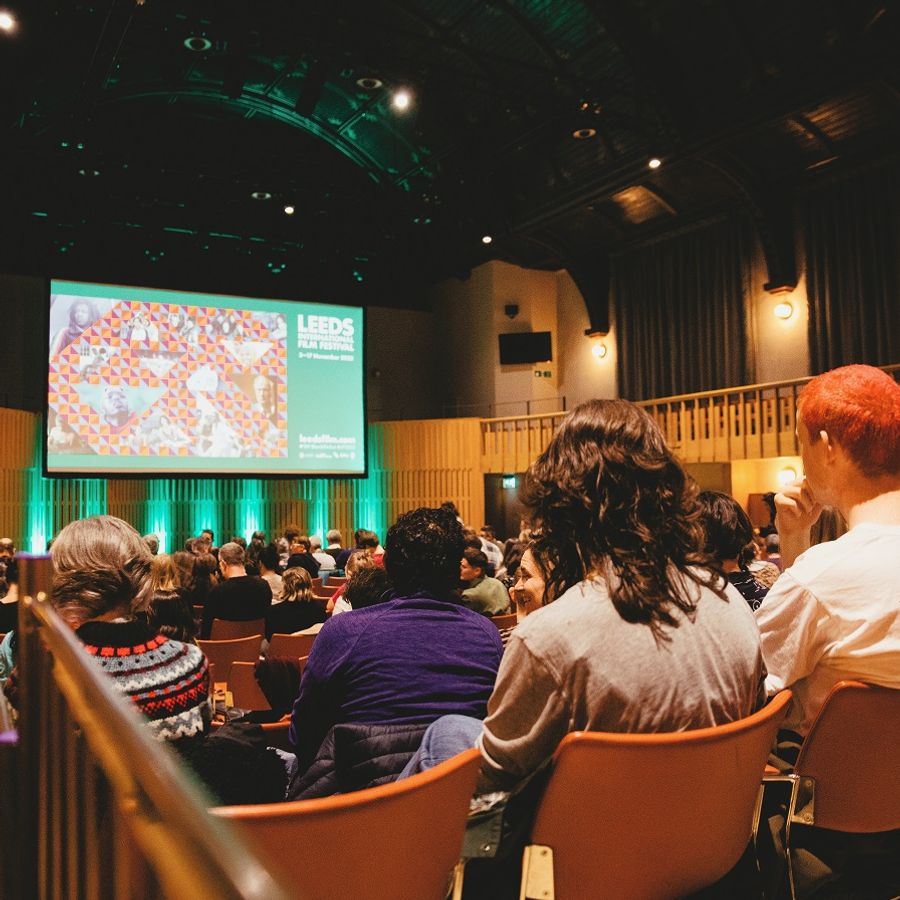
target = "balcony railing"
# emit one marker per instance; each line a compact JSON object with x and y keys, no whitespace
{"x":755,"y":421}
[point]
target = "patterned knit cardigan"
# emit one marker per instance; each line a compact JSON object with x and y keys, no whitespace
{"x":166,"y":679}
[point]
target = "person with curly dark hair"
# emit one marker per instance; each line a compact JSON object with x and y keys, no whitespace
{"x":419,"y":655}
{"x":643,"y":634}
{"x":729,"y":540}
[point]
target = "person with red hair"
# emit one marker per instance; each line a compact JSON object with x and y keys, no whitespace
{"x":834,"y":612}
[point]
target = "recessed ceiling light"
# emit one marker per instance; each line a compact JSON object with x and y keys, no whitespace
{"x":486,"y":239}
{"x":91,"y":172}
{"x":401,"y":99}
{"x":369,"y":82}
{"x":784,"y":310}
{"x":261,"y":195}
{"x":583,"y":134}
{"x":8,"y":22}
{"x":654,"y":162}
{"x":289,"y":210}
{"x":198,"y":43}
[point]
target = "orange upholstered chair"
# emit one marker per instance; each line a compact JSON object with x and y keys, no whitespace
{"x":245,"y":691}
{"x":295,"y":645}
{"x":397,"y":840}
{"x":227,"y":630}
{"x":223,"y":653}
{"x":847,"y":774}
{"x":648,"y":815}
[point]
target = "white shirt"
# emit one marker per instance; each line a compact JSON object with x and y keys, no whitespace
{"x":833,"y":615}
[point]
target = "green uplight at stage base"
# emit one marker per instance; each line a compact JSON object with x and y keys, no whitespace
{"x":158,"y":516}
{"x":251,"y":505}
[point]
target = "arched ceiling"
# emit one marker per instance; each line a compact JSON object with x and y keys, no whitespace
{"x":136,"y":133}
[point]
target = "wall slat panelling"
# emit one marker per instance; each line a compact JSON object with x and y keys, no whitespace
{"x":411,"y":463}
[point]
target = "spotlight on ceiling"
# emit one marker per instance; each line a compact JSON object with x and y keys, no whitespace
{"x":787,"y":475}
{"x":8,"y":22}
{"x":261,"y":195}
{"x":369,"y":83}
{"x":289,"y":210}
{"x":486,"y":239}
{"x":584,"y":134}
{"x":654,"y":162}
{"x":198,"y":43}
{"x":599,"y":350}
{"x":92,"y":173}
{"x":401,"y":99}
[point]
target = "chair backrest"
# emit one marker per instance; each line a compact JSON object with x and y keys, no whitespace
{"x":290,"y":644}
{"x":396,"y":840}
{"x":276,"y":735}
{"x":223,"y":653}
{"x":505,"y":621}
{"x":653,"y":815}
{"x":227,"y":630}
{"x":245,"y":690}
{"x":303,"y":660}
{"x":316,"y":582}
{"x":335,"y":581}
{"x":851,"y":753}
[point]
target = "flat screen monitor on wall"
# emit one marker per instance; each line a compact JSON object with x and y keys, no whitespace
{"x":525,"y":347}
{"x":152,"y":382}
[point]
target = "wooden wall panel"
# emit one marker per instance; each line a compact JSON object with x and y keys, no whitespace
{"x":411,"y":463}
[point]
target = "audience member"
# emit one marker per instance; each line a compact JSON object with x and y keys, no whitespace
{"x":269,"y":570}
{"x":368,"y":586}
{"x":644,"y":635}
{"x":9,"y":598}
{"x":152,"y":542}
{"x":481,"y":593}
{"x":363,"y":540}
{"x":170,"y":610}
{"x":408,"y":660}
{"x":300,"y":556}
{"x":325,"y":560}
{"x":356,"y":562}
{"x":333,"y":541}
{"x":296,"y":609}
{"x":239,"y":597}
{"x":729,"y":541}
{"x":102,"y":578}
{"x":833,"y":614}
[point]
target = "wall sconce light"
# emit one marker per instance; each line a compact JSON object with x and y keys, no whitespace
{"x":599,"y":349}
{"x":786,"y":476}
{"x":784,"y":310}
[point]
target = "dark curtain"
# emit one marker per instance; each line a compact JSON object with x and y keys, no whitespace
{"x":681,"y":316}
{"x":852,"y":233}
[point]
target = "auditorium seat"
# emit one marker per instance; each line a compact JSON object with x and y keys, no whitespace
{"x":846,"y":777}
{"x":245,"y":691}
{"x":508,"y":620}
{"x":290,"y":644}
{"x":633,"y":816}
{"x":228,"y":630}
{"x":396,"y":840}
{"x":223,"y":653}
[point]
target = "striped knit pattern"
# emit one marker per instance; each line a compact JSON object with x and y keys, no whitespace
{"x":166,"y":679}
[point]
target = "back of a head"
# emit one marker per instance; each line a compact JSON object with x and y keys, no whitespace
{"x":302,"y":541}
{"x":365,"y":539}
{"x":367,"y":587}
{"x":728,"y":529}
{"x":152,"y":542}
{"x":608,"y":491}
{"x":232,"y":554}
{"x":268,"y":557}
{"x":291,"y":532}
{"x":423,"y":550}
{"x":357,"y":560}
{"x":165,"y":573}
{"x":100,"y":564}
{"x":859,"y":407}
{"x":315,"y":543}
{"x":333,"y":536}
{"x":296,"y":585}
{"x":170,"y":614}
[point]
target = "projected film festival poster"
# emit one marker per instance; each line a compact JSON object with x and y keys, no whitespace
{"x":158,"y":381}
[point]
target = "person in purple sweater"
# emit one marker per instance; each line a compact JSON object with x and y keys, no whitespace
{"x":413,"y":658}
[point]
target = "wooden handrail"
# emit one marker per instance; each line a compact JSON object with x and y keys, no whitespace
{"x":87,"y":759}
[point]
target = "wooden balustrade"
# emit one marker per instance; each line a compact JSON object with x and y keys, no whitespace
{"x":756,"y":421}
{"x":101,"y":808}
